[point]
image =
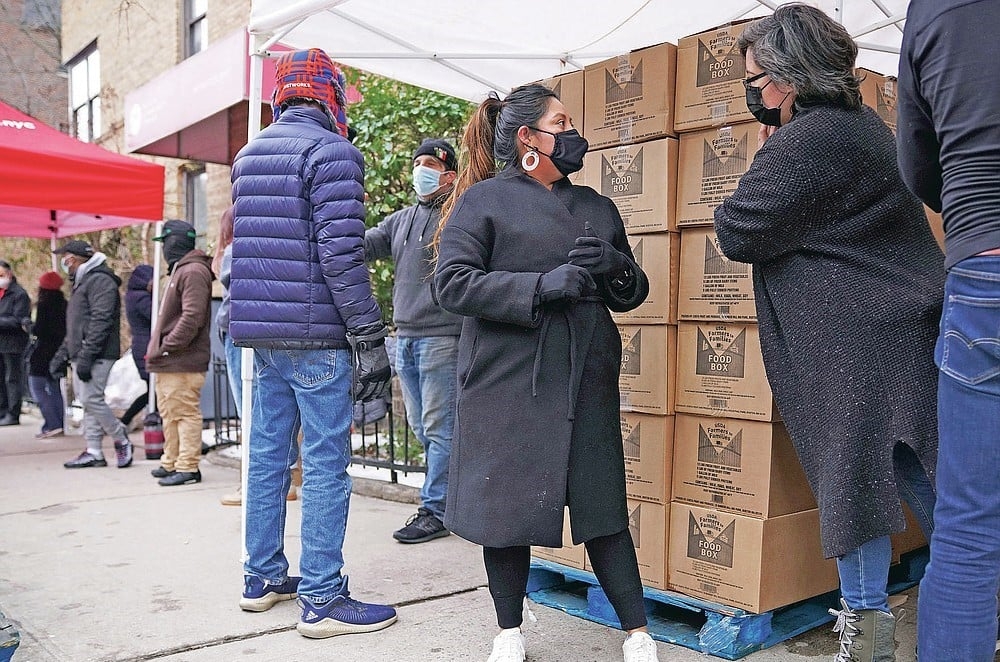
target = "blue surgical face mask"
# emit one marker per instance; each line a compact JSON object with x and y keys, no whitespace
{"x":426,"y":180}
{"x":64,"y":265}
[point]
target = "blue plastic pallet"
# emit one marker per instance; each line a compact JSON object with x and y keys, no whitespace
{"x":700,"y":625}
{"x":10,"y":639}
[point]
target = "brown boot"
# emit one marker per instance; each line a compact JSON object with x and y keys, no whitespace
{"x":866,"y":635}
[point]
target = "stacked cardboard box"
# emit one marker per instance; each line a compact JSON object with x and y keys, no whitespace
{"x":719,"y":507}
{"x":744,"y":529}
{"x":633,"y":161}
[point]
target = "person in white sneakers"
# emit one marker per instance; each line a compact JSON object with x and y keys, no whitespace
{"x":534,"y":264}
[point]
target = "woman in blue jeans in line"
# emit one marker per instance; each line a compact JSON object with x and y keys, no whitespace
{"x":848,"y":285}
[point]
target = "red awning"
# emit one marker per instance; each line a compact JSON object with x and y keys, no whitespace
{"x":53,"y":184}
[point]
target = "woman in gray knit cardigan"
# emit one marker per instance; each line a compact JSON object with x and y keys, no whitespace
{"x":848,"y":282}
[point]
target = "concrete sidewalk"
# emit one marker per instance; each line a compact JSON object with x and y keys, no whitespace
{"x":103,"y":564}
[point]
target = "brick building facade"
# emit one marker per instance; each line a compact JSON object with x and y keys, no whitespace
{"x":137,"y":42}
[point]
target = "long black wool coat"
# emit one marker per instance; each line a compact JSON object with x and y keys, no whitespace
{"x":849,"y":284}
{"x":537,"y":423}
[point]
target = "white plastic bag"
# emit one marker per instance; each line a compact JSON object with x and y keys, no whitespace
{"x":124,"y":383}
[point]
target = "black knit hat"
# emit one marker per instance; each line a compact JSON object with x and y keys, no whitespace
{"x":440,"y":150}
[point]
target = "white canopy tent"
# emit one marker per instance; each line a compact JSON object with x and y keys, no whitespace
{"x":466,"y":48}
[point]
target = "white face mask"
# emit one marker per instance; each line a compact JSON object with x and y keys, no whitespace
{"x":4,"y":283}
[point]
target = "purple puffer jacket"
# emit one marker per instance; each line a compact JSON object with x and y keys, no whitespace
{"x":299,"y":279}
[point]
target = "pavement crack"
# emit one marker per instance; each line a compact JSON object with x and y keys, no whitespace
{"x":230,"y":639}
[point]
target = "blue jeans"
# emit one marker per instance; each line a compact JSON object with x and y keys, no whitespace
{"x":234,"y":370}
{"x":864,"y":572}
{"x":427,"y":372}
{"x":311,"y":388}
{"x":957,"y":617}
{"x":46,"y":393}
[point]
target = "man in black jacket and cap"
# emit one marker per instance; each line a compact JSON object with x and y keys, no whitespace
{"x":15,"y":320}
{"x":92,"y":345}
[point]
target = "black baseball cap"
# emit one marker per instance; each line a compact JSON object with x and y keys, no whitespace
{"x":177,"y":227}
{"x":76,"y":247}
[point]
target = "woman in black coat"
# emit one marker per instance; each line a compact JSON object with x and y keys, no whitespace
{"x":848,"y":283}
{"x":49,"y":330}
{"x":534,"y":263}
{"x":139,"y":312}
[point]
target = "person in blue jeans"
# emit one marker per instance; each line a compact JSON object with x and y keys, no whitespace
{"x":847,"y":285}
{"x":300,"y":297}
{"x":949,"y":155}
{"x":427,"y":335}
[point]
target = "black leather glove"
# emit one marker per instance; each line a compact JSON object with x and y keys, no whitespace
{"x":371,"y":363}
{"x":567,"y":281}
{"x":57,"y":368}
{"x":83,"y":369}
{"x":596,"y":255}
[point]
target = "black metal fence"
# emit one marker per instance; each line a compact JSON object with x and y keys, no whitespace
{"x":386,"y":443}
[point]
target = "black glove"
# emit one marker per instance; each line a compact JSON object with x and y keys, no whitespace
{"x":567,"y":281}
{"x":371,"y":363}
{"x":596,"y":255}
{"x":57,"y":368}
{"x":83,"y":369}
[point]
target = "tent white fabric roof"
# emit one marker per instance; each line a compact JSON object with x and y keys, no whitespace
{"x":468,"y":47}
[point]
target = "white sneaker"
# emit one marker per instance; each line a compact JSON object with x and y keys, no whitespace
{"x":508,"y":646}
{"x":639,"y":647}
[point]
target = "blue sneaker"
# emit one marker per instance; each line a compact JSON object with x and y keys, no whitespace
{"x":260,"y":596}
{"x":342,"y":615}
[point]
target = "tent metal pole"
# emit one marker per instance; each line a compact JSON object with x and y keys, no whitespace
{"x":155,"y":310}
{"x":891,"y":20}
{"x":885,"y":10}
{"x":257,"y":55}
{"x":52,"y":248}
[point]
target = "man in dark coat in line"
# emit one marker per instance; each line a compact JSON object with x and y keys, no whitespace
{"x":92,"y":345}
{"x":15,"y":320}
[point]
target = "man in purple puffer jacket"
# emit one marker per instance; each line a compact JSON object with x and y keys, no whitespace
{"x":300,"y":296}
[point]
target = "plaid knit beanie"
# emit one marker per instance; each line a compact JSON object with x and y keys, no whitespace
{"x":310,"y":74}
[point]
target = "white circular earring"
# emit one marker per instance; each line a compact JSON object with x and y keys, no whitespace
{"x":530,"y":160}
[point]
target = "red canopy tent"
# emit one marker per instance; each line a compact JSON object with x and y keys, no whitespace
{"x":53,"y":185}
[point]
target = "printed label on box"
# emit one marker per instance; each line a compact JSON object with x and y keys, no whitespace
{"x":719,"y":60}
{"x":621,"y":174}
{"x":710,"y":539}
{"x":632,"y":354}
{"x":720,"y":353}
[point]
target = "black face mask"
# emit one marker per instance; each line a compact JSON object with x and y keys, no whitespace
{"x":175,"y":247}
{"x":755,"y":103}
{"x":568,"y":150}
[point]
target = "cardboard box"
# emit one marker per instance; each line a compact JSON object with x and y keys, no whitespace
{"x":879,"y":92}
{"x":659,"y":256}
{"x":649,"y":449}
{"x":630,"y":98}
{"x":937,"y":225}
{"x":710,"y":73}
{"x":753,"y":564}
{"x":710,"y":286}
{"x":744,"y":467}
{"x":569,"y":554}
{"x":641,"y":180}
{"x":646,"y":380}
{"x":710,"y":163}
{"x":647,"y":522}
{"x":720,"y":372}
{"x":569,"y":88}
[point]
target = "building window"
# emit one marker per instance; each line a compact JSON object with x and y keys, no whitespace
{"x":85,"y":94}
{"x":196,"y":198}
{"x":196,"y":14}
